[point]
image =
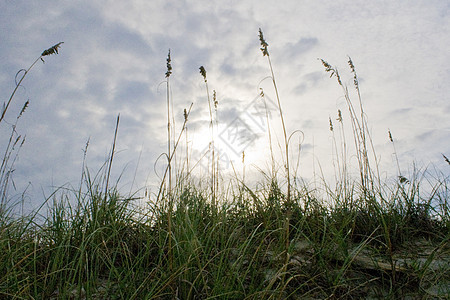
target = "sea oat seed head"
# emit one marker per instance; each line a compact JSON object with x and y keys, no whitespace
{"x":52,"y":50}
{"x":169,"y":66}
{"x":339,"y":116}
{"x":334,"y":71}
{"x":24,"y":108}
{"x":338,"y":77}
{"x":355,"y":77}
{"x":350,"y":63}
{"x":203,"y":72}
{"x":216,"y":102}
{"x":261,"y":93}
{"x":264,"y":45}
{"x":327,"y":66}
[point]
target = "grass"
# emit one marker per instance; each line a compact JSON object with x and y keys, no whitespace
{"x":360,"y":238}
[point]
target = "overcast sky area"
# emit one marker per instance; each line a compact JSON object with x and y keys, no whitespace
{"x":113,"y":61}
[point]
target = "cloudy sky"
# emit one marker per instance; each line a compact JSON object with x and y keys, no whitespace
{"x":113,"y":61}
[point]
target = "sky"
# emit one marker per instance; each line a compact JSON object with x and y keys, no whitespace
{"x":113,"y":61}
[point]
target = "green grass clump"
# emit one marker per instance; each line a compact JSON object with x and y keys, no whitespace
{"x":360,"y":238}
{"x":104,"y":248}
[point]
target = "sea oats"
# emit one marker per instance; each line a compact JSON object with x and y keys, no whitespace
{"x":51,"y":50}
{"x":203,"y":72}
{"x":264,"y":45}
{"x":215,"y":101}
{"x":330,"y":69}
{"x":339,"y":118}
{"x":169,"y":65}
{"x":24,"y":108}
{"x":355,"y":77}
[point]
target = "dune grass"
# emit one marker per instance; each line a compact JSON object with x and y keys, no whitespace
{"x":360,"y":238}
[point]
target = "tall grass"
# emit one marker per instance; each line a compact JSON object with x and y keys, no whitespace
{"x":363,"y":238}
{"x":14,"y":143}
{"x":265,"y":51}
{"x":212,"y":149}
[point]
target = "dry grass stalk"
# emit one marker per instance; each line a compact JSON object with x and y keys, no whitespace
{"x":49,"y":51}
{"x":214,"y":170}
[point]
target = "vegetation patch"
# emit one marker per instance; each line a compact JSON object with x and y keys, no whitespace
{"x":211,"y":238}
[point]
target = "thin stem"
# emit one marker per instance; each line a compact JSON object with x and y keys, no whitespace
{"x":212,"y":147}
{"x":17,"y":86}
{"x":269,"y":133}
{"x":49,"y":51}
{"x":112,"y":156}
{"x":169,"y":166}
{"x":187,"y":143}
{"x":170,"y":157}
{"x":286,"y":143}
